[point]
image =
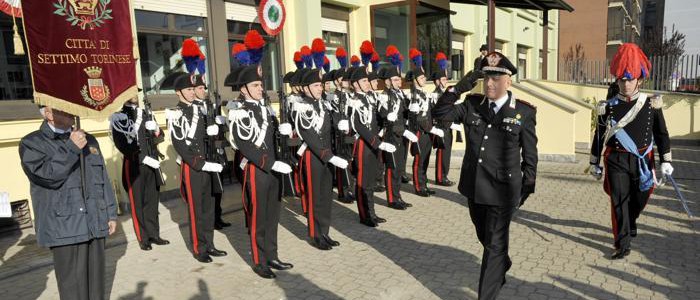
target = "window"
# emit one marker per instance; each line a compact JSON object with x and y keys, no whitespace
{"x":15,"y":79}
{"x":391,"y":26}
{"x":334,"y":29}
{"x":433,"y":34}
{"x":160,"y":38}
{"x":522,"y":62}
{"x":272,"y":71}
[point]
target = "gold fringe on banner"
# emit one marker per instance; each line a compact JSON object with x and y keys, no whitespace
{"x":17,"y":40}
{"x":82,"y":111}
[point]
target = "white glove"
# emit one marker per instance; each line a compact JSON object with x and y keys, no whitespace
{"x":391,"y":117}
{"x":457,"y":127}
{"x":281,"y":167}
{"x":414,"y":107}
{"x":151,"y":162}
{"x":344,"y":125}
{"x":212,"y":167}
{"x":286,"y":129}
{"x":596,"y":171}
{"x":151,"y":125}
{"x":339,"y":162}
{"x":221,"y":120}
{"x":386,"y":147}
{"x":437,"y":131}
{"x":666,"y":168}
{"x":212,"y":130}
{"x":410,"y":136}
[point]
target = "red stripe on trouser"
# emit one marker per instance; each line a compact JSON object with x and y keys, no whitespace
{"x":310,"y":194}
{"x":439,"y":165}
{"x":297,"y":187}
{"x":243,"y":198}
{"x":254,"y":218}
{"x":193,"y":223}
{"x":360,"y":192}
{"x":134,"y":219}
{"x":389,"y":186}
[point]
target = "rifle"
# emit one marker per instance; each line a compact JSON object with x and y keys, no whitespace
{"x":283,"y":142}
{"x":151,"y":147}
{"x":210,"y":142}
{"x":413,"y":123}
{"x":389,"y":131}
{"x":341,"y":137}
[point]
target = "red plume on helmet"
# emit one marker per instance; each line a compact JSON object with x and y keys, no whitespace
{"x":342,"y":57}
{"x":416,"y":57}
{"x":355,"y":61}
{"x":366,"y":50}
{"x":298,"y":61}
{"x":375,"y":61}
{"x":255,"y":43}
{"x":192,"y":56}
{"x":318,"y":51}
{"x":394,"y":56}
{"x":630,"y":62}
{"x":306,"y":56}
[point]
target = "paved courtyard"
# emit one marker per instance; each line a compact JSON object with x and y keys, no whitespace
{"x":560,"y":247}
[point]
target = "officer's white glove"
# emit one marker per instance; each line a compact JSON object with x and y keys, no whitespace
{"x":281,"y":167}
{"x":666,"y":168}
{"x":286,"y":129}
{"x":212,"y":167}
{"x":391,"y":117}
{"x":212,"y":130}
{"x":344,"y":125}
{"x":221,"y":120}
{"x":414,"y":107}
{"x":457,"y":127}
{"x":596,"y":171}
{"x":151,"y":125}
{"x":437,"y":131}
{"x":339,"y":162}
{"x":410,"y":136}
{"x":386,"y":147}
{"x":151,"y":162}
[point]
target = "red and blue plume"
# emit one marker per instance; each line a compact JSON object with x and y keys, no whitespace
{"x":326,"y":64}
{"x":298,"y":61}
{"x":375,"y":61}
{"x":355,"y":61}
{"x":306,"y":57}
{"x":416,"y":57}
{"x":191,"y":55}
{"x":318,"y":52}
{"x":441,"y":60}
{"x":630,"y":62}
{"x":202,"y":64}
{"x":255,"y":44}
{"x":240,"y":53}
{"x":342,"y":57}
{"x":394,"y":56}
{"x":366,"y":50}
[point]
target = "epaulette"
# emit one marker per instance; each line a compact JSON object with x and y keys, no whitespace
{"x":354,"y":103}
{"x":173,"y":113}
{"x":526,"y":103}
{"x":236,"y":115}
{"x":601,"y":107}
{"x":302,"y":107}
{"x":657,"y":102}
{"x":118,"y":116}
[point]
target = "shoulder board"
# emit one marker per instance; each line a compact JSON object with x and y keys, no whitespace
{"x":601,"y":107}
{"x":237,"y":114}
{"x":302,"y":107}
{"x":526,"y":103}
{"x":354,"y":103}
{"x":657,"y":101}
{"x":173,"y":113}
{"x":118,"y":116}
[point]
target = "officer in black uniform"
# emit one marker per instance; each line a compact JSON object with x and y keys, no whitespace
{"x":500,"y":163}
{"x":74,"y":227}
{"x":628,"y":125}
{"x":343,"y":141}
{"x":314,"y":123}
{"x":188,"y":133}
{"x":421,"y":124}
{"x":255,"y":138}
{"x":443,"y":152}
{"x":377,"y":95}
{"x":363,"y":119}
{"x":216,"y":128}
{"x":136,"y":134}
{"x":393,"y":111}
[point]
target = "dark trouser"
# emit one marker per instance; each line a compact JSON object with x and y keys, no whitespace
{"x":442,"y":159}
{"x":622,"y":184}
{"x":343,"y":178}
{"x":196,"y":189}
{"x":319,"y":192}
{"x":80,"y":270}
{"x":217,"y":207}
{"x":394,"y":172}
{"x":366,"y":162}
{"x":143,"y":199}
{"x":261,"y":198}
{"x":492,"y":224}
{"x":421,"y":162}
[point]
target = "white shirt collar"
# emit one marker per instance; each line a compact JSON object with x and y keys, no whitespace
{"x":499,"y":102}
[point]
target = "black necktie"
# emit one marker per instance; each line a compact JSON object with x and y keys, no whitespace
{"x":492,"y":110}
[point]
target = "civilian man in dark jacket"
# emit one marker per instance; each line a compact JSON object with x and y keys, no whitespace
{"x":70,"y":220}
{"x":500,"y":163}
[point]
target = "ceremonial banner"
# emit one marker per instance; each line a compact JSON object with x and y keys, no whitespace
{"x":81,"y":54}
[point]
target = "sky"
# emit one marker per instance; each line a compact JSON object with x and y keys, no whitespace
{"x":684,"y":15}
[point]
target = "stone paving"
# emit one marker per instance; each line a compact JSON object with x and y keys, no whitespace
{"x":560,"y":247}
